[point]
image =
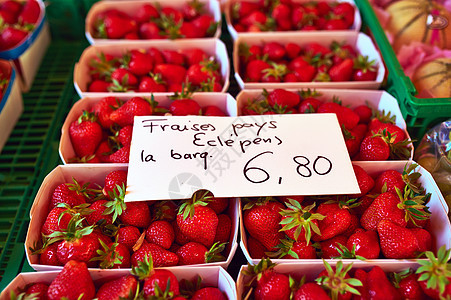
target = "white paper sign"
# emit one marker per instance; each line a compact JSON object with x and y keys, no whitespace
{"x":273,"y":155}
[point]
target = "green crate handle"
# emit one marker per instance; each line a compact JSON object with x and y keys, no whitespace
{"x":385,"y":47}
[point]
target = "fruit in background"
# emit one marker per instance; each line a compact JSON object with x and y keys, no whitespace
{"x":433,"y":79}
{"x":419,"y":20}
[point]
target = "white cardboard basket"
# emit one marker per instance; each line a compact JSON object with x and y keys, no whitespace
{"x":213,"y":47}
{"x":95,"y":173}
{"x":380,"y":100}
{"x":440,"y":224}
{"x":235,"y":34}
{"x":224,"y":101}
{"x":11,"y":105}
{"x":211,"y":276}
{"x":130,"y":8}
{"x":361,"y":42}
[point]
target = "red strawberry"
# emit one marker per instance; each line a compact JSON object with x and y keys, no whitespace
{"x":124,"y":135}
{"x":434,"y":274}
{"x":261,"y":219}
{"x":173,"y":57}
{"x":116,"y":27}
{"x":150,"y":31}
{"x":152,"y":84}
{"x":139,"y":62}
{"x":124,"y":78}
{"x":379,"y":287}
{"x":329,"y":247}
{"x":309,"y":105}
{"x":73,"y":282}
{"x":374,"y":148}
{"x":391,"y":179}
{"x":409,"y":287}
{"x":336,"y":221}
{"x":342,"y":71}
{"x":364,"y":70}
{"x":361,"y":275}
{"x":160,"y":233}
{"x":113,"y":256}
{"x":274,"y":50}
{"x":365,"y":113}
{"x":424,"y":239}
{"x":224,"y":229}
{"x":170,"y":73}
{"x":54,"y":222}
{"x":103,"y":110}
{"x":273,"y":285}
{"x":114,"y":179}
{"x":283,"y":98}
{"x":39,"y":289}
{"x":78,"y":245}
{"x":180,"y":238}
{"x":310,"y":290}
{"x":243,"y":8}
{"x":366,"y":244}
{"x":12,"y":6}
{"x":365,"y":181}
{"x":125,"y":114}
{"x":291,"y":249}
{"x":306,"y":73}
{"x":209,"y":293}
{"x":254,"y":70}
{"x":118,"y":288}
{"x":98,"y":213}
{"x":197,"y":221}
{"x":315,"y":49}
{"x":99,"y":86}
{"x":194,"y":55}
{"x":396,"y":241}
{"x":85,"y":134}
{"x":213,"y":110}
{"x":345,"y":10}
{"x":164,"y":279}
{"x":8,"y":17}
{"x":146,"y":12}
{"x":384,"y":207}
{"x":48,"y":255}
{"x":136,"y":214}
{"x":160,"y":256}
{"x":281,"y":13}
{"x":185,"y":107}
{"x":255,"y":248}
{"x":128,"y":236}
{"x":70,"y":193}
{"x":195,"y":253}
{"x":120,"y":156}
{"x":30,"y":12}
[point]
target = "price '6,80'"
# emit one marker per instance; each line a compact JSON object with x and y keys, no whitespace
{"x":320,"y":166}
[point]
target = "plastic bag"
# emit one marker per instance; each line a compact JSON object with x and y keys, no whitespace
{"x":434,"y":154}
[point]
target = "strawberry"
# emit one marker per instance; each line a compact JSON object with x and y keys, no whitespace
{"x":261,"y":219}
{"x":124,"y":78}
{"x":337,"y":281}
{"x":396,"y":241}
{"x":39,"y":289}
{"x":160,"y":256}
{"x":224,"y":229}
{"x":213,"y":110}
{"x":115,"y":27}
{"x":316,"y":49}
{"x":270,"y":284}
{"x":118,"y":288}
{"x":374,"y":148}
{"x":113,"y":256}
{"x":125,"y":114}
{"x":281,"y":13}
{"x":48,"y":255}
{"x":136,"y":214}
{"x":408,"y":286}
{"x":73,"y":194}
{"x":57,"y":219}
{"x":10,"y":37}
{"x":365,"y":113}
{"x":379,"y":287}
{"x":346,"y":10}
{"x":305,"y":73}
{"x":8,"y":18}
{"x":254,"y":70}
{"x":170,"y":73}
{"x":150,"y":31}
{"x":98,"y":213}
{"x":99,"y":86}
{"x":243,"y":8}
{"x":146,"y":12}
{"x":152,"y":84}
{"x":138,"y":62}
{"x":342,"y":71}
{"x":434,"y":275}
{"x":128,"y":236}
{"x":364,"y":70}
{"x":180,"y":238}
{"x":12,"y":6}
{"x":384,"y":207}
{"x":291,"y":249}
{"x":275,"y":51}
{"x":335,"y":24}
{"x":120,"y":156}
{"x":194,"y":55}
{"x":310,"y":290}
{"x":424,"y":239}
{"x":391,"y":179}
{"x":85,"y":134}
{"x":103,"y":110}
{"x":164,"y":210}
{"x":336,"y":221}
{"x":184,"y":105}
{"x":396,"y":132}
{"x":283,"y":98}
{"x":361,"y":275}
{"x":365,"y":244}
{"x":329,"y":247}
{"x":73,"y":282}
{"x":160,"y":233}
{"x":30,"y":12}
{"x":112,"y":180}
{"x":195,"y":253}
{"x":197,"y":221}
{"x":173,"y":57}
{"x":365,"y":181}
{"x":255,"y":248}
{"x":209,"y":293}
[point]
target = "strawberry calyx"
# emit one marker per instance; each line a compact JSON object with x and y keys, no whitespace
{"x":385,"y":117}
{"x":277,"y":71}
{"x":117,"y":86}
{"x":308,"y":93}
{"x":363,"y":63}
{"x":170,"y":27}
{"x":108,"y":256}
{"x":251,"y":202}
{"x":285,"y":248}
{"x":410,"y":177}
{"x":209,"y":65}
{"x":336,"y":281}
{"x":300,"y":218}
{"x":117,"y":205}
{"x":209,"y":85}
{"x":196,"y":5}
{"x":214,"y":254}
{"x":413,"y":205}
{"x":23,"y":296}
{"x":189,"y":287}
{"x":144,"y":269}
{"x":398,"y":150}
{"x":257,"y":271}
{"x":435,"y":270}
{"x":75,"y":230}
{"x":269,"y":25}
{"x":345,"y":253}
{"x":396,"y":277}
{"x":200,"y":197}
{"x":184,"y":94}
{"x":102,"y":66}
{"x":338,"y":50}
{"x":87,"y":116}
{"x":322,"y":77}
{"x":259,"y":105}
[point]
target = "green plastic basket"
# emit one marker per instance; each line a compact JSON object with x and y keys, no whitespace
{"x":31,"y":151}
{"x":420,"y":113}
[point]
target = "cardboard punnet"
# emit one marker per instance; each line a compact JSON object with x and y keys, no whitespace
{"x":440,"y":224}
{"x":235,"y":34}
{"x":211,"y":276}
{"x":379,"y":100}
{"x":28,"y":54}
{"x":131,"y":7}
{"x":11,"y":104}
{"x":359,"y":41}
{"x":213,"y":47}
{"x":311,"y":271}
{"x":95,"y":173}
{"x":224,"y":101}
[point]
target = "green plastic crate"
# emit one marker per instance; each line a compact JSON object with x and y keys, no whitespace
{"x":31,"y":151}
{"x":420,"y":113}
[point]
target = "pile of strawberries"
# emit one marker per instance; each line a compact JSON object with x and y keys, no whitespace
{"x":429,"y":281}
{"x":75,"y":282}
{"x":92,"y":224}
{"x":257,"y":16}
{"x":154,"y":21}
{"x":369,"y":134}
{"x":103,"y":134}
{"x":17,"y":21}
{"x":389,"y":219}
{"x":274,"y":62}
{"x":155,"y":71}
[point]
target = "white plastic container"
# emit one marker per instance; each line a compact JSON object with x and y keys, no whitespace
{"x":379,"y":100}
{"x":440,"y":224}
{"x":359,"y":41}
{"x":224,"y":101}
{"x":11,"y":104}
{"x":95,"y":173}
{"x":235,"y":34}
{"x":211,"y":276}
{"x":131,"y":7}
{"x":213,"y":47}
{"x":28,"y":54}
